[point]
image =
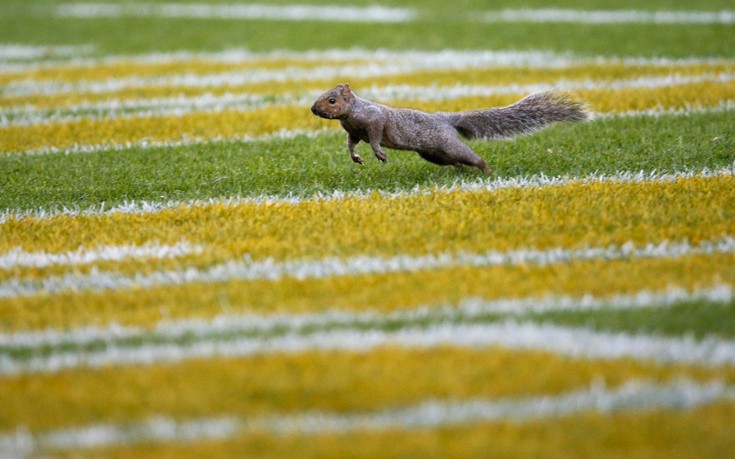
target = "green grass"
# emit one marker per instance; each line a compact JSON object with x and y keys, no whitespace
{"x":115,"y":36}
{"x":310,"y":164}
{"x":702,"y":319}
{"x":440,"y":25}
{"x":699,"y":319}
{"x":306,"y":165}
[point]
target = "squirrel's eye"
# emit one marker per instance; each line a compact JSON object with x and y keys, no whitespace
{"x":332,"y":100}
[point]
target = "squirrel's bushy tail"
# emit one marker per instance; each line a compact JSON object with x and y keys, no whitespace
{"x":523,"y":117}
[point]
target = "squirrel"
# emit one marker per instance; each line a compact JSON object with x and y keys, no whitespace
{"x":435,"y":136}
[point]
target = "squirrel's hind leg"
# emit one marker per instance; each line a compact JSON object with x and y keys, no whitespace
{"x":454,"y":152}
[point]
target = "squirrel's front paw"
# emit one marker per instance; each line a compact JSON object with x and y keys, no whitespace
{"x":357,"y":159}
{"x":381,"y":156}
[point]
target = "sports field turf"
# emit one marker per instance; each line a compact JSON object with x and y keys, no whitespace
{"x":192,"y":266}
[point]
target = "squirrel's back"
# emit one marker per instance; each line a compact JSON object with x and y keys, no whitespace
{"x":409,"y":129}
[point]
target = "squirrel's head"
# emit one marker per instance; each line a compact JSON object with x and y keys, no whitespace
{"x":335,"y":103}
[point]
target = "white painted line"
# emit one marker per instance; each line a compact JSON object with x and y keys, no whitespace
{"x":443,"y":59}
{"x":178,"y":106}
{"x":19,"y":52}
{"x":333,"y":56}
{"x":187,"y":141}
{"x":435,"y":92}
{"x":380,"y":63}
{"x":553,"y":15}
{"x":20,"y":258}
{"x":633,"y":396}
{"x":253,"y":324}
{"x":376,"y":68}
{"x":246,"y":269}
{"x":478,"y":185}
{"x":574,"y":342}
{"x":293,"y":12}
{"x":721,"y":107}
{"x":30,"y":115}
{"x":22,"y":444}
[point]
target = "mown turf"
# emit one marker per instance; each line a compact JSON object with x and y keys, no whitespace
{"x":379,"y":292}
{"x":696,"y":210}
{"x":698,"y":319}
{"x":307,"y":165}
{"x":381,"y":378}
{"x":440,"y":25}
{"x":632,"y":435}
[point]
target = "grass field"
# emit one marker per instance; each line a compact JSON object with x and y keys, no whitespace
{"x":192,"y":266}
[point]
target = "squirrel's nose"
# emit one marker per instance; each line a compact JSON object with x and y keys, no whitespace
{"x":313,"y":109}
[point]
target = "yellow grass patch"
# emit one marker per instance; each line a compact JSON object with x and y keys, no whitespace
{"x":122,"y":68}
{"x":573,"y":215}
{"x":397,"y":291}
{"x":223,"y":122}
{"x":497,"y":76}
{"x":117,"y":131}
{"x":329,"y":381}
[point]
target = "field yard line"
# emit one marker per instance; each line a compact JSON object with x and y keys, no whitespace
{"x":293,"y":12}
{"x":466,"y":310}
{"x":436,"y":92}
{"x":121,"y":108}
{"x":449,"y":58}
{"x":20,"y":52}
{"x":534,"y":58}
{"x":554,"y":15}
{"x":509,"y":334}
{"x":337,"y":13}
{"x":632,"y":396}
{"x":18,"y":257}
{"x":245,"y":269}
{"x":438,"y":61}
{"x":723,"y":106}
{"x":479,"y":185}
{"x":376,"y":68}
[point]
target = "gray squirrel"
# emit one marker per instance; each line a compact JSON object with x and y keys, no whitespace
{"x":435,"y":136}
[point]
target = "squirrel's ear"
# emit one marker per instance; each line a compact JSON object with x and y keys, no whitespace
{"x":345,"y":89}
